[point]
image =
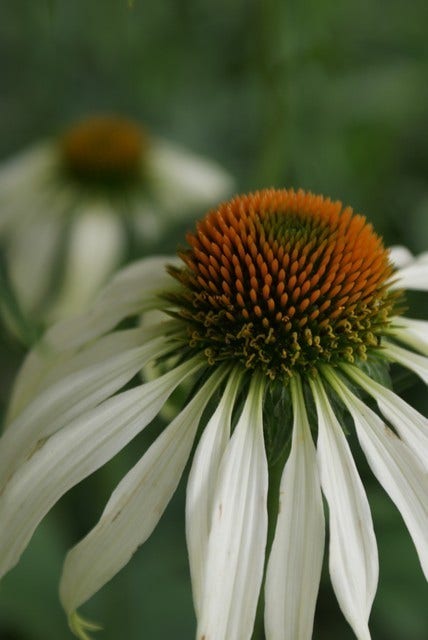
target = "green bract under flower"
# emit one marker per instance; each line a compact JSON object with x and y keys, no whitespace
{"x":284,"y":281}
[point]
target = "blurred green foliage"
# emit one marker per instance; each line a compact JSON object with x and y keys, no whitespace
{"x":331,"y":96}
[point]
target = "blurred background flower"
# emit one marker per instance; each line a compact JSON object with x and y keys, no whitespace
{"x":74,"y":208}
{"x":329,"y":96}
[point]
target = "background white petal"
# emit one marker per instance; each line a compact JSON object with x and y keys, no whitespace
{"x":237,"y":539}
{"x":202,"y":483}
{"x":413,"y":274}
{"x":72,"y":454}
{"x":183,"y":180}
{"x":135,"y":506}
{"x":396,"y":468}
{"x":295,"y":562}
{"x":353,"y":558}
{"x":95,"y":248}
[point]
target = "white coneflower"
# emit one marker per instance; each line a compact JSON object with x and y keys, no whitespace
{"x":71,"y":207}
{"x":282,"y":301}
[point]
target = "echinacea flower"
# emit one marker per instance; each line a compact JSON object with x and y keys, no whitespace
{"x":283,"y":312}
{"x":72,"y":208}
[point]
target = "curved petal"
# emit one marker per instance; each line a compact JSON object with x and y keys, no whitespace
{"x":411,"y":426}
{"x":413,"y":361}
{"x":413,"y":274}
{"x":182,"y":181}
{"x":45,"y":366}
{"x":135,"y":506}
{"x":65,"y":400}
{"x":395,"y":467}
{"x":132,"y":291}
{"x":96,"y":245}
{"x":295,"y":562}
{"x":400,"y":256}
{"x":202,"y":483}
{"x":411,"y":332}
{"x":32,"y":253}
{"x":74,"y":453}
{"x":353,"y":558}
{"x":237,"y":539}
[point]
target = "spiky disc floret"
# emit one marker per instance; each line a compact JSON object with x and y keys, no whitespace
{"x":103,"y":149}
{"x":283,"y":281}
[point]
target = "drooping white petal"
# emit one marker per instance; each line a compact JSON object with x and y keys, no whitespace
{"x":237,"y":539}
{"x":413,"y":361}
{"x":135,"y":506}
{"x":75,"y":452}
{"x":295,"y":562}
{"x":132,"y":291}
{"x":353,"y":558}
{"x":412,"y":332}
{"x":409,"y":423}
{"x":68,"y":398}
{"x":396,"y":468}
{"x":413,"y":274}
{"x":202,"y":483}
{"x":182,"y":180}
{"x":95,"y":248}
{"x":45,"y":365}
{"x":32,"y":252}
{"x":27,"y":169}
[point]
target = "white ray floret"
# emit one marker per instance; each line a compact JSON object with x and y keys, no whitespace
{"x":394,"y":465}
{"x":237,"y":538}
{"x":413,"y":361}
{"x":412,"y":332}
{"x":202,"y":483}
{"x":67,"y":399}
{"x":75,"y":452}
{"x":294,"y":568}
{"x":353,"y":558}
{"x":135,"y":506}
{"x":411,"y":426}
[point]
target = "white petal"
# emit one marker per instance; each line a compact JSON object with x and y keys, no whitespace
{"x":411,"y":332}
{"x":237,"y":540}
{"x":134,"y":508}
{"x":75,"y":452}
{"x":413,"y":361}
{"x":414,"y":274}
{"x":44,"y":366}
{"x":28,"y":168}
{"x":202,"y":483}
{"x":411,"y":426}
{"x":400,"y":256}
{"x":71,"y":396}
{"x":353,"y":558}
{"x":96,"y":245}
{"x":395,"y":467}
{"x":133,"y":290}
{"x":32,"y":254}
{"x":183,"y":181}
{"x":295,"y":562}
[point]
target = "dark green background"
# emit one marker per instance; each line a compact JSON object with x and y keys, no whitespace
{"x":328,"y":95}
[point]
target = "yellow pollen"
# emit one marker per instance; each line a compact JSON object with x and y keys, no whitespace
{"x":284,"y":281}
{"x":103,"y":148}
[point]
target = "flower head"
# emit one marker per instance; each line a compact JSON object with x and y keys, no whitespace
{"x":73,"y":208}
{"x":283,"y":307}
